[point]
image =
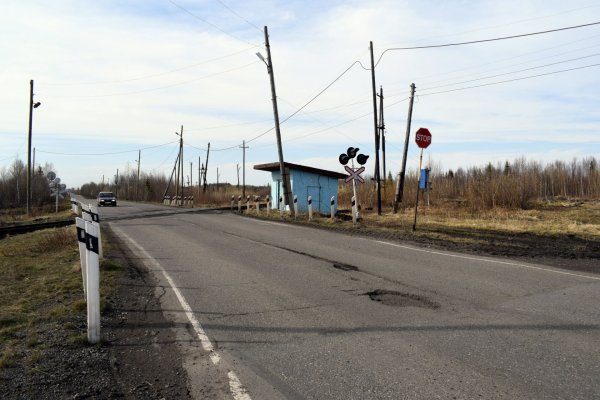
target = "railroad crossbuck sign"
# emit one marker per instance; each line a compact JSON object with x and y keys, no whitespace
{"x":423,"y":138}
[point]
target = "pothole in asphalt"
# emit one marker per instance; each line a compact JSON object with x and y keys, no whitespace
{"x":400,"y":299}
{"x":345,"y":267}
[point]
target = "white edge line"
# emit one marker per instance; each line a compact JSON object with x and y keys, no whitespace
{"x":487,"y":260}
{"x":238,"y":390}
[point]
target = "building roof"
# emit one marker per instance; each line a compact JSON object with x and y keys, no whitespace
{"x":274,"y":166}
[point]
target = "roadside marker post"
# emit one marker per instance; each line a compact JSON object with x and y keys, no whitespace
{"x":295,"y":206}
{"x":353,"y":210}
{"x":268,"y":205}
{"x":247,"y":204}
{"x":232,"y":200}
{"x":80,"y":223}
{"x":332,"y":208}
{"x":93,"y":282}
{"x":281,"y":206}
{"x":257,"y":203}
{"x":239,"y":204}
{"x":310,"y":212}
{"x":96,"y":219}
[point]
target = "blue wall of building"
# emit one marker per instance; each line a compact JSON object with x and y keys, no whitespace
{"x":305,"y":184}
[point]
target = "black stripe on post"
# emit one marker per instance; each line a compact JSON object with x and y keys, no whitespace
{"x":353,"y":202}
{"x":332,"y":201}
{"x":295,"y":199}
{"x":91,"y":243}
{"x":95,"y":217}
{"x":309,"y":201}
{"x":81,"y":234}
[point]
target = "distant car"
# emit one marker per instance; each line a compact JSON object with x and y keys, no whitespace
{"x":107,"y":199}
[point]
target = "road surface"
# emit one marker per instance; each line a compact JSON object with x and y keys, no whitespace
{"x":267,"y":310}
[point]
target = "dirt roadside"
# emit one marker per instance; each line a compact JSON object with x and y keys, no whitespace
{"x":139,"y":357}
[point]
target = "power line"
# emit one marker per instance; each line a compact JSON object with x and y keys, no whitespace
{"x":511,"y":80}
{"x":151,"y":75}
{"x":239,"y":16}
{"x":322,"y":91}
{"x":511,"y":72}
{"x":106,"y":154}
{"x":160,"y":87}
{"x":484,"y":40}
{"x":210,"y":24}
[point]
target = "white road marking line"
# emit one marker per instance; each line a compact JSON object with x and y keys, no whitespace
{"x":238,"y":390}
{"x":487,"y":260}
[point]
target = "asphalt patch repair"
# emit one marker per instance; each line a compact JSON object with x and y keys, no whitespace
{"x":400,"y":299}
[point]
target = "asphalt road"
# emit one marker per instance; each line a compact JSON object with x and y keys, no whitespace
{"x":274,"y":311}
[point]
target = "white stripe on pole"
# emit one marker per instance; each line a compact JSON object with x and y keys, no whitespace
{"x":93,"y":283}
{"x":353,"y":210}
{"x":80,"y":223}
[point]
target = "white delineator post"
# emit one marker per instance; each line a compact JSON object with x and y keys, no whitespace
{"x":248,"y":204}
{"x":353,"y":210}
{"x":332,"y":207}
{"x":240,"y":204}
{"x":257,"y":203}
{"x":281,"y":206}
{"x":232,"y":201}
{"x":96,"y":218}
{"x":80,"y":223}
{"x":310,"y":208}
{"x":295,"y":206}
{"x":268,"y":205}
{"x":93,"y":282}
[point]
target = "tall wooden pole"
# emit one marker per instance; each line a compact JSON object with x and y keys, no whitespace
{"x":206,"y":167}
{"x":244,"y":147}
{"x":376,"y":130}
{"x":287,"y":193}
{"x":402,"y":173}
{"x":29,"y":147}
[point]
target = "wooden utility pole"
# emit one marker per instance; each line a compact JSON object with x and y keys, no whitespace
{"x":376,"y":130}
{"x":199,"y":176}
{"x":139,"y":160}
{"x":171,"y":178}
{"x":191,"y":181}
{"x":29,"y":147}
{"x":401,"y":174}
{"x":287,"y":193}
{"x":238,"y":175}
{"x":206,"y":167}
{"x":181,"y":162}
{"x":244,"y":147}
{"x":382,"y":132}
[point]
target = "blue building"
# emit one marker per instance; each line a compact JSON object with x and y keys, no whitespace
{"x":305,"y":181}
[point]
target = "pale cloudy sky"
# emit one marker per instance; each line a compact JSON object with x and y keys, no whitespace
{"x":115,"y":76}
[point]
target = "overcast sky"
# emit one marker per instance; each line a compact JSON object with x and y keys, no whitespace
{"x":116,"y":76}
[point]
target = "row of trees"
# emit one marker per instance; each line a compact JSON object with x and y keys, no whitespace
{"x":13,"y":186}
{"x":516,"y":184}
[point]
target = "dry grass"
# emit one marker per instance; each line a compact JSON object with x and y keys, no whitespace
{"x":40,"y":289}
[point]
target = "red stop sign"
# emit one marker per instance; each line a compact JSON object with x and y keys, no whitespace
{"x":423,"y":138}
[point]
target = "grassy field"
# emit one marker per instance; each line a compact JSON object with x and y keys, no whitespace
{"x":41,"y":294}
{"x":17,"y":216}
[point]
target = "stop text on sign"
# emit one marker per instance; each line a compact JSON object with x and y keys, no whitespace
{"x":423,"y":138}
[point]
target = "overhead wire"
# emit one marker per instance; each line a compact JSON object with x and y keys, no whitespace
{"x":156,"y":88}
{"x":510,"y":80}
{"x":510,"y":73}
{"x":238,"y":15}
{"x":107,"y":153}
{"x":211,"y":24}
{"x":484,"y":40}
{"x":117,"y":81}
